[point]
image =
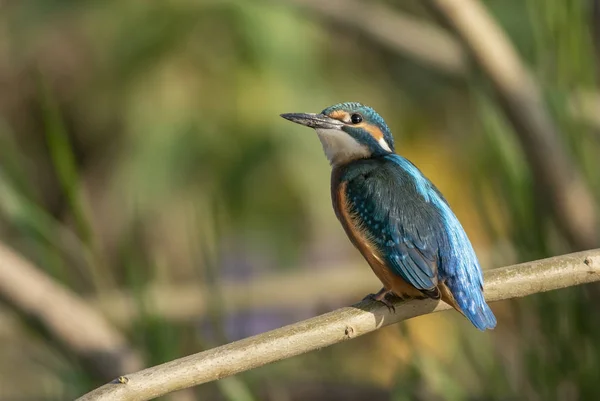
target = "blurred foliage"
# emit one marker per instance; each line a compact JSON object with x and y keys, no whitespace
{"x":140,"y":143}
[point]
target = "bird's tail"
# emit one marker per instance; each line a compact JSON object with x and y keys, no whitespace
{"x":471,"y":304}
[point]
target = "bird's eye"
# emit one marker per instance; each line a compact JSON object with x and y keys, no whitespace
{"x":356,"y":118}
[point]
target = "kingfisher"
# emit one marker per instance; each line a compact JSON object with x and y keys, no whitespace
{"x":398,"y":220}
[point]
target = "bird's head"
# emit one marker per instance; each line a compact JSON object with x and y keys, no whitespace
{"x":348,"y":131}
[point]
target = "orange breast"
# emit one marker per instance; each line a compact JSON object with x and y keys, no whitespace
{"x":361,"y":241}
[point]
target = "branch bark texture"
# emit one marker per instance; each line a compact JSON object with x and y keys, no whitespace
{"x":337,"y":326}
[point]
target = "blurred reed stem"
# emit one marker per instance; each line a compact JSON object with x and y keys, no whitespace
{"x":63,"y":159}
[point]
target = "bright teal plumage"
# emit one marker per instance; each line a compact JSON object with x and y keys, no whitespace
{"x":395,"y":216}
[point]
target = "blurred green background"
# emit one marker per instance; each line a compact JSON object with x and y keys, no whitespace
{"x":144,"y":165}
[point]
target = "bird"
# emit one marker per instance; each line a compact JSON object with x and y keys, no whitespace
{"x":395,"y":216}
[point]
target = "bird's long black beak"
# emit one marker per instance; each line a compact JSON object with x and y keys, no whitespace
{"x":313,"y":120}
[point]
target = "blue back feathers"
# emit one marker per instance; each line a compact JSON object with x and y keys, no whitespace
{"x":412,"y":226}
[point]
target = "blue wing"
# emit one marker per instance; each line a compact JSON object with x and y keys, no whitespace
{"x":399,"y":223}
{"x":410,"y":223}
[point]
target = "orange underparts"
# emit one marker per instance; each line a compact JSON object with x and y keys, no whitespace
{"x":361,"y":241}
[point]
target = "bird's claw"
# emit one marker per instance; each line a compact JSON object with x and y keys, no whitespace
{"x":381,"y":296}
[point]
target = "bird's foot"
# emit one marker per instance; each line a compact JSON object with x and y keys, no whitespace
{"x":381,"y":296}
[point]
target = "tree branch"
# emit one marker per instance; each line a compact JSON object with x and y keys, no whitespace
{"x":397,"y":31}
{"x":572,"y":201}
{"x":334,"y":327}
{"x":306,"y":287}
{"x":569,"y":195}
{"x":67,"y":318}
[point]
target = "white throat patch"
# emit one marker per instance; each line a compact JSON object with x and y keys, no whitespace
{"x":340,"y":147}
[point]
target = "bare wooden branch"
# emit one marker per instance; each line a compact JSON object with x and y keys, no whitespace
{"x":308,"y":287}
{"x":569,"y":195}
{"x":337,"y":326}
{"x":399,"y":32}
{"x":68,"y":319}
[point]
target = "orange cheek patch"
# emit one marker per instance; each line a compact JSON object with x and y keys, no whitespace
{"x":373,"y":130}
{"x":340,"y":115}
